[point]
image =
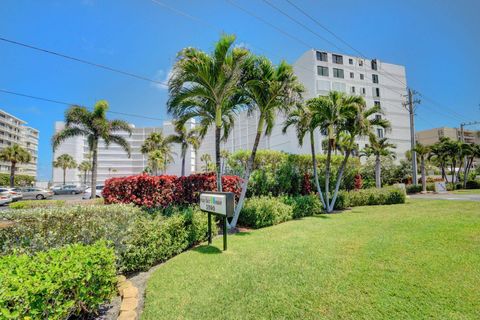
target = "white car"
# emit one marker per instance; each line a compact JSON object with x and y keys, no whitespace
{"x":98,"y":192}
{"x":5,"y":197}
{"x":15,"y":193}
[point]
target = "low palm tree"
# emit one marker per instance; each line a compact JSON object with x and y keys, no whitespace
{"x":65,"y":161}
{"x":208,"y":160}
{"x":379,"y":147}
{"x":224,"y":155}
{"x":471,"y":155}
{"x":85,"y":167}
{"x":422,"y":152}
{"x":15,"y":154}
{"x":439,"y":155}
{"x":208,"y":87}
{"x":185,"y":138}
{"x":156,"y":161}
{"x":94,"y":126}
{"x":269,"y":89}
{"x":157,"y":145}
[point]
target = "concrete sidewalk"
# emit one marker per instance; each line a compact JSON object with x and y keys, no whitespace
{"x":447,"y":196}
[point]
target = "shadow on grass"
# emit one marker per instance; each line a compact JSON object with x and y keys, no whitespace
{"x":205,"y":249}
{"x":243,"y":234}
{"x":321,"y":216}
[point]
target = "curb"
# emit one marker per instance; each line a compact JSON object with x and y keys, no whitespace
{"x":129,"y":299}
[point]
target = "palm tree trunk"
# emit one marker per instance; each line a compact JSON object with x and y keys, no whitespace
{"x":424,"y":177}
{"x":217,"y":158}
{"x":93,"y":187}
{"x":183,"y":165}
{"x":459,"y":169}
{"x":442,"y":167}
{"x":339,"y":179}
{"x":246,"y":178}
{"x":12,"y":174}
{"x":84,"y":177}
{"x":327,"y":175}
{"x":64,"y":174}
{"x":378,"y":173}
{"x":454,"y":163}
{"x":315,"y":170}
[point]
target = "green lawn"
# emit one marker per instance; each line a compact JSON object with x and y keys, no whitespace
{"x":468,"y":191}
{"x":414,"y":261}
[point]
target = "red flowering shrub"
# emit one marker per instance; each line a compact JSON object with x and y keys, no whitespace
{"x":162,"y":191}
{"x":306,"y":184}
{"x":358,"y":182}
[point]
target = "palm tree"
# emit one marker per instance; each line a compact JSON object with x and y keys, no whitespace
{"x":207,"y":159}
{"x":14,"y":154}
{"x":65,"y":161}
{"x":378,"y":147}
{"x":453,"y":152}
{"x":158,"y":146}
{"x":85,"y":167}
{"x":207,"y":87}
{"x":269,"y":89}
{"x":185,"y":139}
{"x":93,"y":125}
{"x":224,"y":155}
{"x":423,"y":152}
{"x":472,"y":153}
{"x":439,"y":155}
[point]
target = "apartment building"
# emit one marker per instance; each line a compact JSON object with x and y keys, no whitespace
{"x":14,"y":131}
{"x":431,"y":136}
{"x":320,"y":72}
{"x":113,"y":161}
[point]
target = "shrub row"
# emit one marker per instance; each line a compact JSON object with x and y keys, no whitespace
{"x":265,"y":211}
{"x":140,"y":239}
{"x":57,"y":283}
{"x":29,"y":204}
{"x":162,"y":191}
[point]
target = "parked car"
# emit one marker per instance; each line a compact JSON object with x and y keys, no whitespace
{"x":15,"y":193}
{"x":67,"y":189}
{"x":5,"y":197}
{"x":35,"y":193}
{"x":98,"y":192}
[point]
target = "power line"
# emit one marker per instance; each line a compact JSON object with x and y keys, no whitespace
{"x":69,"y":104}
{"x":94,"y":64}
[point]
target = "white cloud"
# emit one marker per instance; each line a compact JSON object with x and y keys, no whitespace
{"x":163,"y":76}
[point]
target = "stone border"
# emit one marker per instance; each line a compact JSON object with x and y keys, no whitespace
{"x":129,"y":299}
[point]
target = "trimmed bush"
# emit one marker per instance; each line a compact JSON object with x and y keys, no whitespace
{"x":29,"y":204}
{"x":304,"y":206}
{"x":374,"y":196}
{"x":473,"y":184}
{"x":412,"y":188}
{"x":57,"y":283}
{"x":261,"y":212}
{"x":162,"y":191}
{"x":140,"y":239}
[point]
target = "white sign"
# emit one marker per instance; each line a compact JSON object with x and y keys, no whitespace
{"x":215,"y":203}
{"x":440,"y":187}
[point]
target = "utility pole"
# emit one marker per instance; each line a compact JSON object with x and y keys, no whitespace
{"x":410,"y":106}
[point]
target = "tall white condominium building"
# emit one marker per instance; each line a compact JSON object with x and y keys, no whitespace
{"x":320,"y":72}
{"x":14,"y":131}
{"x":113,"y":161}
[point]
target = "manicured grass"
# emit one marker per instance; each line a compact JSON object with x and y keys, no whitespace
{"x":467,"y":191}
{"x":414,"y":261}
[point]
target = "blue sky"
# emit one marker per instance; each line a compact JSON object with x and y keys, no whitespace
{"x":437,"y":41}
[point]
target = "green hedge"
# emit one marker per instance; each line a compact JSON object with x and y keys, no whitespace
{"x":304,"y":205}
{"x":374,"y":196}
{"x":265,"y":211}
{"x":20,"y":180}
{"x":57,"y":283}
{"x":140,"y":239}
{"x":30,"y":204}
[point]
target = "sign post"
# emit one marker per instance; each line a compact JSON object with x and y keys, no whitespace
{"x":220,"y":204}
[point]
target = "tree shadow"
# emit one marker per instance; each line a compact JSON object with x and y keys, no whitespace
{"x":321,"y":216}
{"x":206,"y":249}
{"x":243,"y":234}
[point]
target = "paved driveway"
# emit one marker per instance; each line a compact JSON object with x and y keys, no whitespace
{"x":447,"y":196}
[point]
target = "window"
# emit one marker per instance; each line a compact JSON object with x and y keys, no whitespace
{"x":378,"y":117}
{"x":353,"y":90}
{"x":322,"y":71}
{"x":322,"y":56}
{"x":337,"y":73}
{"x":350,"y":61}
{"x":337,"y":59}
{"x":360,"y":63}
{"x":376,"y":92}
{"x":376,"y":103}
{"x":351,"y":75}
{"x":363,"y":91}
{"x":380,"y":133}
{"x":374,"y":64}
{"x":375,"y":78}
{"x":362,"y":76}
